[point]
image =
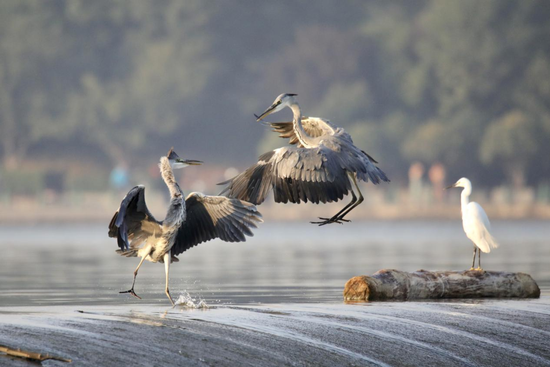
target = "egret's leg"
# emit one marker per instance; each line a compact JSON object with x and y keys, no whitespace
{"x":167,"y":258}
{"x":474,"y":258}
{"x":479,"y":260}
{"x":131,"y":290}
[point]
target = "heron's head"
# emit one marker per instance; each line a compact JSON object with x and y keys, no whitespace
{"x":463,"y":182}
{"x":282,"y":101}
{"x":176,"y":162}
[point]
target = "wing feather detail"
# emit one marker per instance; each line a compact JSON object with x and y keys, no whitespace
{"x":210,"y":217}
{"x":133,"y":223}
{"x":295,"y":174}
{"x":313,"y":126}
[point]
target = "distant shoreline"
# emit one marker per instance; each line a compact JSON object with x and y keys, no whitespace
{"x":101,"y":212}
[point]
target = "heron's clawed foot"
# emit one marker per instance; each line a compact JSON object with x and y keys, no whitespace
{"x":330,"y":220}
{"x":170,"y":297}
{"x":478,"y":268}
{"x":131,"y":291}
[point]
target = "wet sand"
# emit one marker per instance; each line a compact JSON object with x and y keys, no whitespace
{"x":465,"y":333}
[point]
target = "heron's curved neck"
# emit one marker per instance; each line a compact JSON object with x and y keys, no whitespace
{"x":465,"y":196}
{"x":301,"y":134}
{"x":169,"y":180}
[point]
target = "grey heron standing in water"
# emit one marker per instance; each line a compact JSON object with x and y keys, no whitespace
{"x":475,"y":222}
{"x":323,"y":165}
{"x":198,"y":218}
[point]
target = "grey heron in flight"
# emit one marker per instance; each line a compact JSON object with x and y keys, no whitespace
{"x":322,"y":165}
{"x":475,"y":222}
{"x":198,"y":218}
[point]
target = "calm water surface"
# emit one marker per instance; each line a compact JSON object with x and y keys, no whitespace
{"x":282,"y":263}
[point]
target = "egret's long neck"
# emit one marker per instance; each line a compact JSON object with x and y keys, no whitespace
{"x":465,"y":197}
{"x":168,"y":177}
{"x":301,"y":134}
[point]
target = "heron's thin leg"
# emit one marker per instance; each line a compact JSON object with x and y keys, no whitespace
{"x":353,"y":201}
{"x":335,"y":216}
{"x":167,"y":258}
{"x":131,"y":290}
{"x":339,"y":217}
{"x":474,"y":259}
{"x":359,"y":200}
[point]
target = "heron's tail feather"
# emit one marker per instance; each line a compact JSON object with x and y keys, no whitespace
{"x":374,"y":174}
{"x":128,"y":253}
{"x":371,"y":172}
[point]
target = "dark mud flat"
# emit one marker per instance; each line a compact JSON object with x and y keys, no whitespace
{"x":464,"y":333}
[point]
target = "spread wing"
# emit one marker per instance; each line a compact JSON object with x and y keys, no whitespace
{"x":210,"y":217}
{"x":133,"y":222}
{"x":318,"y":174}
{"x":294,"y":174}
{"x":313,"y":126}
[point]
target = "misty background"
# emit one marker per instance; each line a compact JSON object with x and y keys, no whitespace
{"x":92,"y":93}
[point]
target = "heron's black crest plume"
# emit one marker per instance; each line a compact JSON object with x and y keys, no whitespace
{"x":171,"y":154}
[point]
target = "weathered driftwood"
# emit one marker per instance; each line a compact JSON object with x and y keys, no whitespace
{"x":389,"y":284}
{"x":33,"y":356}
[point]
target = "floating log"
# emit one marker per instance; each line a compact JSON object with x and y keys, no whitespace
{"x":389,"y":284}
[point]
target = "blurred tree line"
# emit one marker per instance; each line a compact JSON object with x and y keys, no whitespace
{"x":464,"y":83}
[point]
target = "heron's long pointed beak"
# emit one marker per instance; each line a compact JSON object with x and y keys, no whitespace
{"x":450,"y":187}
{"x":266,"y":112}
{"x":189,"y":162}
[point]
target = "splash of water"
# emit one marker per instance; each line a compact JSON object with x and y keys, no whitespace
{"x":186,"y":300}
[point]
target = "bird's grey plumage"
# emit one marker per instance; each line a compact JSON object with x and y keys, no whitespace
{"x":133,"y":222}
{"x":313,"y":126}
{"x":212,"y":217}
{"x":198,"y":218}
{"x":315,"y":168}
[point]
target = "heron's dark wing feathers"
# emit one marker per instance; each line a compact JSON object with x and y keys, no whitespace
{"x":294,"y":174}
{"x":297,"y":174}
{"x":313,"y":126}
{"x":133,"y":222}
{"x":254,"y":184}
{"x":210,"y":217}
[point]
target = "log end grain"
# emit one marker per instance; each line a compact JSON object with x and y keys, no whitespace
{"x":356,"y":289}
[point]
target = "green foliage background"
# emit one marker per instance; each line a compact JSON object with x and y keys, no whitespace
{"x":465,"y":83}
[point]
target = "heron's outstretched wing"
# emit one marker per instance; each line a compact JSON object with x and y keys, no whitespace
{"x":313,"y":126}
{"x":477,"y":227}
{"x":133,"y":222}
{"x":295,"y":174}
{"x":210,"y":217}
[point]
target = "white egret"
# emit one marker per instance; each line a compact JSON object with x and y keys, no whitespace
{"x":475,"y":222}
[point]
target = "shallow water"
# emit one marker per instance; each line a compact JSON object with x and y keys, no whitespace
{"x":283,"y":262}
{"x":274,"y":300}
